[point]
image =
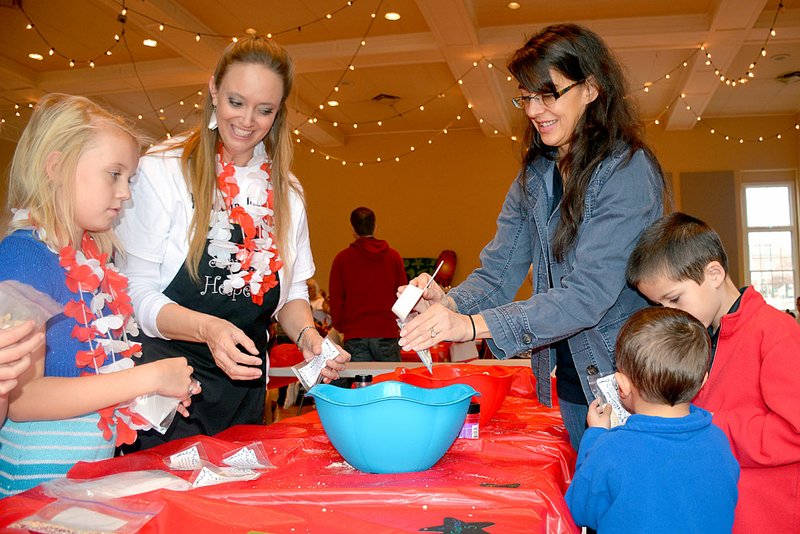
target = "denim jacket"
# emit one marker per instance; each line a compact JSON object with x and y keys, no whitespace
{"x":590,"y":300}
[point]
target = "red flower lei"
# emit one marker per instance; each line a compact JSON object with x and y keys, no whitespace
{"x":253,"y":268}
{"x":90,"y":273}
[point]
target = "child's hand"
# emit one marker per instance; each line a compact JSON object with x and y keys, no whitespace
{"x":174,"y":377}
{"x":183,"y":406}
{"x":599,"y":416}
{"x":16,"y":345}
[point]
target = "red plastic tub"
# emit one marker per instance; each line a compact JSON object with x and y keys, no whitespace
{"x":493,"y":382}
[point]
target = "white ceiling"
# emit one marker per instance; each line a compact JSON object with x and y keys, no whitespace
{"x":418,"y":59}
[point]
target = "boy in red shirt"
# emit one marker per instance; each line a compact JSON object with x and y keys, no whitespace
{"x":754,"y":376}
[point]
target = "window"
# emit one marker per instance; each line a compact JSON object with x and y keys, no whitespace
{"x":770,"y":241}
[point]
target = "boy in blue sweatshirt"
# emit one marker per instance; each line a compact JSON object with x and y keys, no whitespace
{"x":667,"y":469}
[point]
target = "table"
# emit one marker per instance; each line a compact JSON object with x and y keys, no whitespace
{"x":510,"y":480}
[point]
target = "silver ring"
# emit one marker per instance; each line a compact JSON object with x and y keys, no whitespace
{"x":433,"y":333}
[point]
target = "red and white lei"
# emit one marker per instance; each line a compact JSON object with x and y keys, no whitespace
{"x":247,"y":200}
{"x":99,"y":285}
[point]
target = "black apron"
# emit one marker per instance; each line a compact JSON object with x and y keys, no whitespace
{"x":223,"y":402}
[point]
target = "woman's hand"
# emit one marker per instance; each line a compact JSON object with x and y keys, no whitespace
{"x":16,"y":345}
{"x":433,"y":295}
{"x":599,"y":416}
{"x":435,"y":324}
{"x":311,"y":345}
{"x":224,"y":340}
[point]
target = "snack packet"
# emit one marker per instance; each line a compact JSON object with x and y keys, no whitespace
{"x":192,"y":457}
{"x":211,"y":475}
{"x":309,"y":372}
{"x":251,"y":456}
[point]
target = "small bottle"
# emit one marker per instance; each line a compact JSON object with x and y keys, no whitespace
{"x":362,"y":381}
{"x":592,"y":374}
{"x":471,"y":428}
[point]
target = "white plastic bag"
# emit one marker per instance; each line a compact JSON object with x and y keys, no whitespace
{"x":20,"y":302}
{"x":114,"y":486}
{"x":67,"y":516}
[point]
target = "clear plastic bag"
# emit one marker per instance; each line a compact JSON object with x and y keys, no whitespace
{"x":211,"y":475}
{"x":156,"y":409}
{"x":20,"y":302}
{"x":192,"y":457}
{"x":114,"y":486}
{"x":309,"y":372}
{"x":68,"y":516}
{"x":251,"y":456}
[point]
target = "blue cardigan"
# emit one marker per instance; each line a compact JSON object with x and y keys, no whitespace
{"x":590,"y":300}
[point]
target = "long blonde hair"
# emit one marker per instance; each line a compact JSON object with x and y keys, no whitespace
{"x":200,"y":149}
{"x":64,"y":125}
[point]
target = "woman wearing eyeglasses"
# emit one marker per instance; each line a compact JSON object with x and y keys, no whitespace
{"x":588,"y":186}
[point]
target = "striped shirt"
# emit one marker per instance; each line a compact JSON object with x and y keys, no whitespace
{"x":33,"y":452}
{"x":38,"y":451}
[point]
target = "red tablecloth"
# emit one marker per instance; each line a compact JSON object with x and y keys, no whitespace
{"x":510,"y":480}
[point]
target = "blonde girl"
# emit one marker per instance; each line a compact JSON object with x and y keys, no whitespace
{"x":68,"y":180}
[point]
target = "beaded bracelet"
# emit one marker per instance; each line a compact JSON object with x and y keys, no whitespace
{"x":303,"y":331}
{"x":474,"y":332}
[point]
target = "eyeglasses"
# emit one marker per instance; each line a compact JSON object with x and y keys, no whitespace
{"x":543,"y":99}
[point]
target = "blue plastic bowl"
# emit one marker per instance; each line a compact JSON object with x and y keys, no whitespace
{"x":392,"y":427}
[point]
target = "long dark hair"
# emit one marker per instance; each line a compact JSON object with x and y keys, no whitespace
{"x":609,"y":121}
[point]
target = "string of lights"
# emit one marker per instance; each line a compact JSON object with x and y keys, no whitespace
{"x":727,"y":137}
{"x":141,"y":84}
{"x":396,"y":157}
{"x":749,"y":74}
{"x":122,"y":18}
{"x":198,"y":34}
{"x":313,"y":117}
{"x":645,"y":88}
{"x":414,"y":108}
{"x":350,"y":65}
{"x":72,"y":61}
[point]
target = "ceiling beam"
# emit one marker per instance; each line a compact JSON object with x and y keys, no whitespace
{"x":454,"y":28}
{"x":731,"y":24}
{"x":18,"y":82}
{"x":122,"y":78}
{"x":634,"y":33}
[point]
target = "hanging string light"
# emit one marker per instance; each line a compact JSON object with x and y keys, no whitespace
{"x":750,"y":73}
{"x":394,"y":158}
{"x":646,"y":86}
{"x":90,"y":61}
{"x":727,"y":137}
{"x":350,"y":67}
{"x":162,"y":25}
{"x":411,"y":109}
{"x":125,"y":11}
{"x":122,"y":17}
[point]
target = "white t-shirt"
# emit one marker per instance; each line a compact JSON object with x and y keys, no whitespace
{"x":153,"y":230}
